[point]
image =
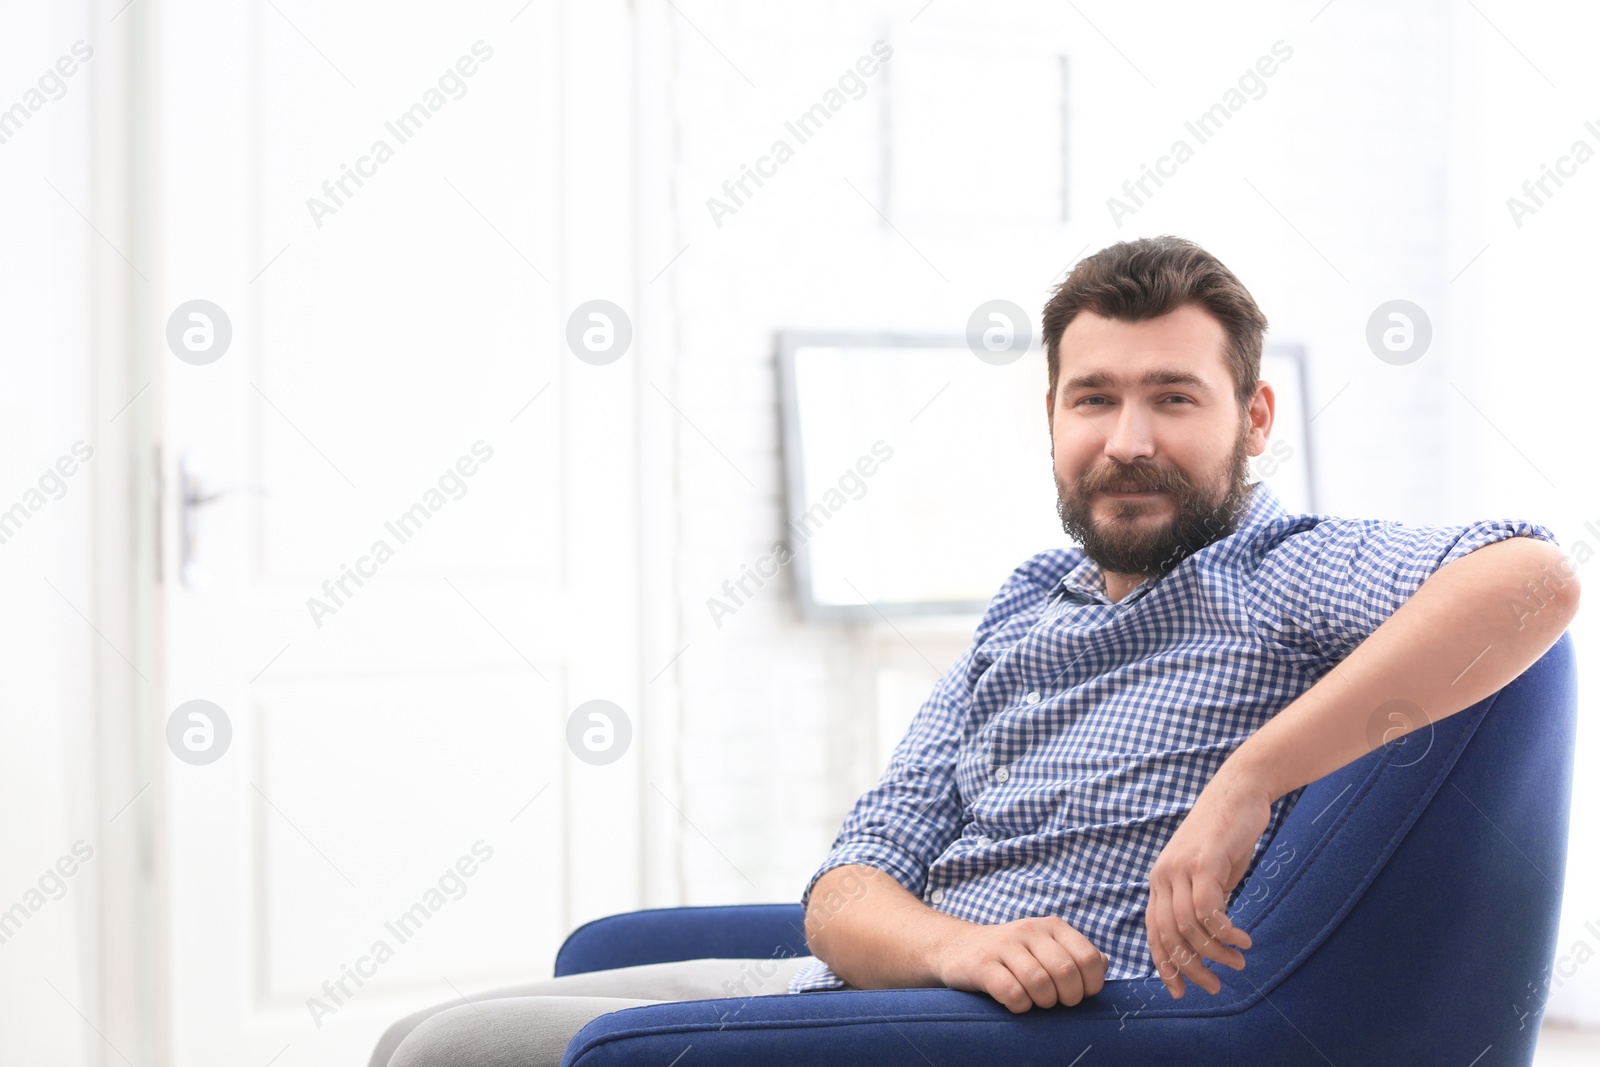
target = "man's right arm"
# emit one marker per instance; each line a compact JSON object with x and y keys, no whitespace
{"x":875,"y":934}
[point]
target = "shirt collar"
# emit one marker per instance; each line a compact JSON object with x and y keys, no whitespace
{"x":1087,"y":581}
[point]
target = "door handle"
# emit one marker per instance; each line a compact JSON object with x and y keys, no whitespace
{"x":194,"y":496}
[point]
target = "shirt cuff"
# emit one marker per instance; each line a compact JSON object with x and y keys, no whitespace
{"x":816,"y":977}
{"x":873,"y":852}
{"x":1488,"y":532}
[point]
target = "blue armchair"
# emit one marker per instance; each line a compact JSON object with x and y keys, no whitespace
{"x":1405,"y":913}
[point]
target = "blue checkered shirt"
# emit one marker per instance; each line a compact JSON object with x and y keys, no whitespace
{"x":1053,"y":761}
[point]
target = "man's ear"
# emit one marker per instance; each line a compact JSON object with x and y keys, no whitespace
{"x":1262,"y":408}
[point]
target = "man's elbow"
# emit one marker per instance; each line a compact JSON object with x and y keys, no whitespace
{"x":1574,"y":591}
{"x":831,"y":894}
{"x":813,"y":922}
{"x":1550,"y":591}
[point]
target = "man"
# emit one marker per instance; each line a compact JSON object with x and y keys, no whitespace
{"x":1089,"y":785}
{"x":1105,"y":765}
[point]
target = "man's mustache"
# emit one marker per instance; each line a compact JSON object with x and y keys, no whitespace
{"x":1143,"y":479}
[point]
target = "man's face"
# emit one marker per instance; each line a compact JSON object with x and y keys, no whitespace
{"x":1150,"y":406}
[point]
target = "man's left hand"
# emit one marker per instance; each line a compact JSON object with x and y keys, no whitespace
{"x":1191,"y":879}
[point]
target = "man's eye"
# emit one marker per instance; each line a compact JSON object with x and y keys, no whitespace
{"x":1175,"y":396}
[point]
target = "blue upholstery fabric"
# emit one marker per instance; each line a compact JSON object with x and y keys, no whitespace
{"x":662,"y":935}
{"x":1405,"y":913}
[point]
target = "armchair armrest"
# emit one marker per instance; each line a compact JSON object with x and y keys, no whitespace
{"x":902,"y":1028}
{"x":663,"y":935}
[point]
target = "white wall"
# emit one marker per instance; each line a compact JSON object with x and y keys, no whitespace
{"x":46,"y":758}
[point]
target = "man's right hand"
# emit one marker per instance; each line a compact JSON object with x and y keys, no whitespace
{"x":1043,"y":961}
{"x":874,"y":934}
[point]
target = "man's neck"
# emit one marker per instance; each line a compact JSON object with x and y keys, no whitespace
{"x":1120,"y":585}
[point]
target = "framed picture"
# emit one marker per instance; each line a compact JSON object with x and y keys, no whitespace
{"x":918,"y":476}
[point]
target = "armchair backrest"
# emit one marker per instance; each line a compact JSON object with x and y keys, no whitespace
{"x":1421,"y":882}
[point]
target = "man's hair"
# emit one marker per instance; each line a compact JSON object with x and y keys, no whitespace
{"x":1149,"y":277}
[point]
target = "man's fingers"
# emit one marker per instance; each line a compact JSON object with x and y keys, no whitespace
{"x":1035,"y":977}
{"x":996,"y":979}
{"x":1041,"y":961}
{"x":1174,"y":958}
{"x":1192,"y":938}
{"x":1158,"y":934}
{"x":1220,"y":933}
{"x":1071,"y":983}
{"x":1092,"y":963}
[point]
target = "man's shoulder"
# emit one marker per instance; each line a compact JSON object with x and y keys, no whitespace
{"x":1332,"y":536}
{"x":1285,"y":531}
{"x":1334,"y":555}
{"x":1268,"y":527}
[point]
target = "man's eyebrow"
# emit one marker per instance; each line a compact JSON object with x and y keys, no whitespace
{"x":1100,"y":380}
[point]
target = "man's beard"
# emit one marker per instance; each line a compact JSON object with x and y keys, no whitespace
{"x":1127,"y":543}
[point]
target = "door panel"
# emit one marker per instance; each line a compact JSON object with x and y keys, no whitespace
{"x":413,"y":479}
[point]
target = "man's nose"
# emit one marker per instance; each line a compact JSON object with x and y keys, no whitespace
{"x":1131,"y":435}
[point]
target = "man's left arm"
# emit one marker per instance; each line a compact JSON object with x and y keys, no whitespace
{"x":1470,"y":629}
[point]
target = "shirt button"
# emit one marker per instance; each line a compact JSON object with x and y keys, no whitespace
{"x":985,"y":840}
{"x":1002,"y":774}
{"x":937,"y":896}
{"x":1033,"y":697}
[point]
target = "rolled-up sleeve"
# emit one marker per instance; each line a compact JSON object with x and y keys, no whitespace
{"x":902,"y":824}
{"x":1325,"y":590}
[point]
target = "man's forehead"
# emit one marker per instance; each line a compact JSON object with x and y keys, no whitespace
{"x":1186,"y":346}
{"x":1153,"y":378}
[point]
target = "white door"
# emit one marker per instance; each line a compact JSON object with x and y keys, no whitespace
{"x":405,"y":555}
